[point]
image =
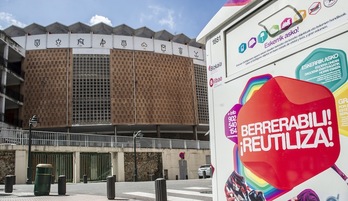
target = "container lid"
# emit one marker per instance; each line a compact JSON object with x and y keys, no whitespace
{"x":44,"y":166}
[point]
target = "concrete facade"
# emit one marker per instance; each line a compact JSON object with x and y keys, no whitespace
{"x":104,"y":80}
{"x":170,"y":159}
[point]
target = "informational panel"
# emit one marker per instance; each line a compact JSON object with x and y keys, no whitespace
{"x":282,"y":130}
{"x":279,"y":27}
{"x":216,"y":64}
{"x":279,"y":118}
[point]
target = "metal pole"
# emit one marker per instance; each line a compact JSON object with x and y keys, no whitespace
{"x":135,"y":159}
{"x":29,"y":180}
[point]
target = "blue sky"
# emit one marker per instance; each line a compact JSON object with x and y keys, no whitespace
{"x":176,"y":16}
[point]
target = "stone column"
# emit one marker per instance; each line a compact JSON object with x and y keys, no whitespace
{"x":119,"y":169}
{"x":21,"y":166}
{"x":76,"y":166}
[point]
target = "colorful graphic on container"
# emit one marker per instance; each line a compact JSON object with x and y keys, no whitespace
{"x":341,"y":96}
{"x":262,"y":37}
{"x":254,"y":182}
{"x":282,"y":20}
{"x":252,"y":42}
{"x":236,"y":2}
{"x":231,"y":123}
{"x":242,"y":48}
{"x":251,"y":87}
{"x":314,"y":8}
{"x":286,"y":23}
{"x":215,"y":81}
{"x":285,"y":123}
{"x":324,"y":66}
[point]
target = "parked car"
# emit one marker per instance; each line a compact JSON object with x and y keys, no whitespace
{"x":206,"y":168}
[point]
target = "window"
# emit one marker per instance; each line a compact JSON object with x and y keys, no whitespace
{"x":91,"y":90}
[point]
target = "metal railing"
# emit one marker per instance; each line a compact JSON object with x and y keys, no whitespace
{"x":46,"y":138}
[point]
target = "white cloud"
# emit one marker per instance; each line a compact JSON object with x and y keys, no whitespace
{"x":161,"y":15}
{"x":98,"y":18}
{"x":168,"y":20}
{"x":7,"y":19}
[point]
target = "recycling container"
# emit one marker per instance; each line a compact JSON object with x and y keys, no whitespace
{"x":8,"y":184}
{"x":43,"y":179}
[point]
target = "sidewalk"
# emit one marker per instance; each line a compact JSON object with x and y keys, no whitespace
{"x":30,"y":196}
{"x":26,"y":193}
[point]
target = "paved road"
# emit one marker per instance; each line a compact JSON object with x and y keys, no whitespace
{"x":177,"y":190}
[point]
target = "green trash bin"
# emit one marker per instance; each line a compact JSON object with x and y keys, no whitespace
{"x":43,"y":179}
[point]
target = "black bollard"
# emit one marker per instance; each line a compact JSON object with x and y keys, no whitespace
{"x":161,"y":189}
{"x":204,"y":174}
{"x":13,"y":179}
{"x":8,"y":184}
{"x":85,"y":179}
{"x":110,"y":187}
{"x":176,"y":177}
{"x":52,"y":179}
{"x":114,"y":177}
{"x":61,"y":185}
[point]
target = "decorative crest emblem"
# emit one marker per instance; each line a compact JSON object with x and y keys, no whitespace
{"x":37,"y":42}
{"x":124,"y":43}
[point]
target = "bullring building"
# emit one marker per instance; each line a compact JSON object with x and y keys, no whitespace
{"x":104,"y":80}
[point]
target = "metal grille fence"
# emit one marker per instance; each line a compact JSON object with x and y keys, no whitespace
{"x":46,"y":138}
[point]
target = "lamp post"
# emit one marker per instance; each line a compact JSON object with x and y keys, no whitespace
{"x":32,"y":122}
{"x":135,"y":135}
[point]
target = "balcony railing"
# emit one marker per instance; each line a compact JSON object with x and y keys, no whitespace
{"x":3,"y":61}
{"x":11,"y":93}
{"x":14,"y":67}
{"x":44,"y":138}
{"x":11,"y":121}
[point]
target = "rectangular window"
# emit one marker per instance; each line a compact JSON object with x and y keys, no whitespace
{"x":91,"y":90}
{"x":201,"y":90}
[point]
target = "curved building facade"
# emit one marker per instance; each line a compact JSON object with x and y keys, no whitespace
{"x":112,"y":80}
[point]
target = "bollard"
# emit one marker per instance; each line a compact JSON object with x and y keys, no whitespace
{"x":110,"y":187}
{"x":204,"y":174}
{"x":186,"y":177}
{"x":161,"y":189}
{"x":114,"y":177}
{"x":61,"y":185}
{"x":13,"y":179}
{"x":176,"y":177}
{"x":52,"y":179}
{"x":8,"y":184}
{"x":85,"y":179}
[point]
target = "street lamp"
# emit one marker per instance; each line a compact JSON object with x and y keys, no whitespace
{"x":32,"y":122}
{"x":135,"y":135}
